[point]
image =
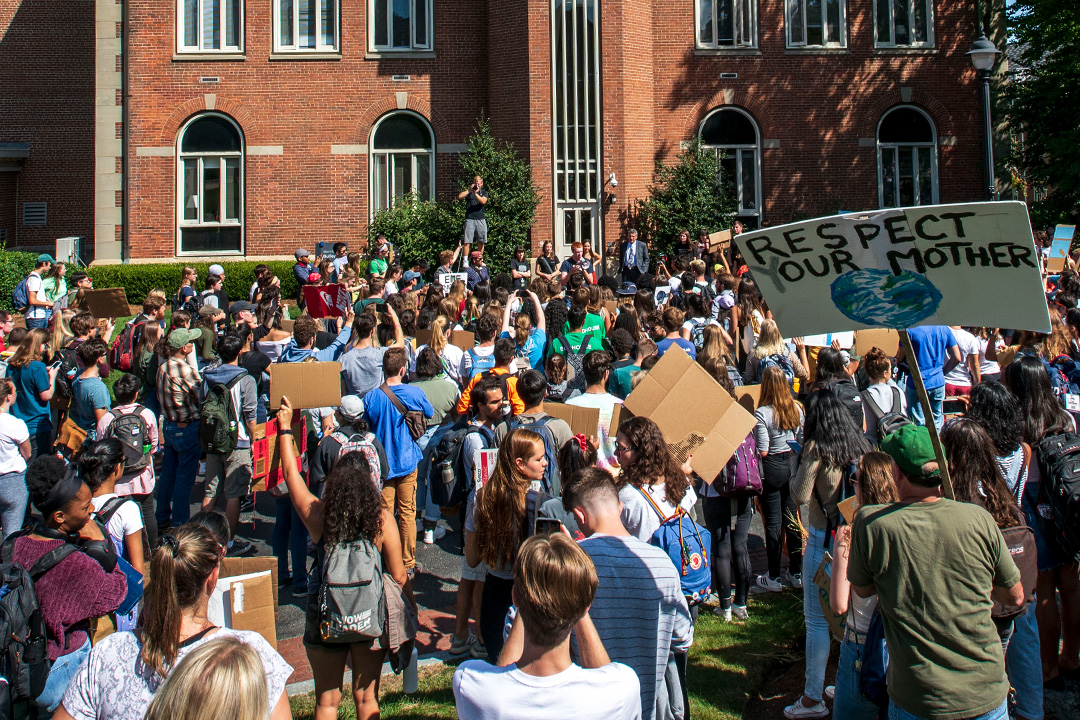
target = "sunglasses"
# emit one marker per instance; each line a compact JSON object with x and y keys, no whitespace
{"x":620,"y":448}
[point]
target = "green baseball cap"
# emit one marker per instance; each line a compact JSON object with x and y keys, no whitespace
{"x":910,"y":447}
{"x":182,"y":336}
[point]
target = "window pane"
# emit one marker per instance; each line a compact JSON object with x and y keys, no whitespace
{"x":888,"y":177}
{"x":569,"y":228}
{"x":586,"y":227}
{"x":926,"y":192}
{"x":402,"y":175}
{"x":906,"y":178}
{"x":795,"y":20}
{"x":403,"y":131}
{"x":232,"y":23}
{"x":210,"y":134}
{"x":728,"y":127}
{"x":232,"y":189}
{"x":285,"y":18}
{"x":401,"y":23}
{"x":191,"y":23}
{"x":728,"y":176}
{"x":210,"y":239}
{"x":919,"y":22}
{"x":423,"y":177}
{"x":705,"y":21}
{"x":211,"y":190}
{"x":884,"y":22}
{"x":308,"y":10}
{"x":749,"y":185}
{"x":905,"y":125}
{"x":211,"y":12}
{"x":420,"y":33}
{"x":900,"y":22}
{"x":382,"y":26}
{"x":191,"y":190}
{"x":329,"y":23}
{"x":725,"y":22}
{"x":379,"y":192}
{"x":814,"y":34}
{"x":833,"y":8}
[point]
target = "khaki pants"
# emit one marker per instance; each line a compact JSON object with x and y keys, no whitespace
{"x":399,"y":497}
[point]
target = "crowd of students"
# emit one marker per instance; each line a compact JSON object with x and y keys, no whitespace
{"x":572,"y":599}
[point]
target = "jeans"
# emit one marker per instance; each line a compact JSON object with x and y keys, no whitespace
{"x":778,"y":514}
{"x":729,"y":546}
{"x":179,"y":466}
{"x":817,"y":627}
{"x":495,"y":602}
{"x":60,"y":675}
{"x":399,"y":497}
{"x":41,"y":439}
{"x":1000,"y":713}
{"x":1023,"y":666}
{"x":432,"y":512}
{"x":13,"y":498}
{"x":40,"y":323}
{"x":937,"y":401}
{"x":849,"y":703}
{"x":290,"y":536}
{"x":147,"y":506}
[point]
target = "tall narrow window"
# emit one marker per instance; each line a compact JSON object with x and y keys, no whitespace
{"x":726,"y":23}
{"x":400,"y":24}
{"x":907,"y":158}
{"x":734,"y":136}
{"x":209,"y":25}
{"x":306,"y":25}
{"x":816,"y":23}
{"x":210,"y":187}
{"x":402,"y":160}
{"x":904,"y":23}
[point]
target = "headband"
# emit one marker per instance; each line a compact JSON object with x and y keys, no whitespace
{"x":63,"y":492}
{"x":582,"y":442}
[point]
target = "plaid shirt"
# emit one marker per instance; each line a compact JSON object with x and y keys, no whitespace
{"x":178,"y":390}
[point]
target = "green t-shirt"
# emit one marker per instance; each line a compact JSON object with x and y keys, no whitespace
{"x":575,"y":339}
{"x":621,"y":375}
{"x":442,"y":393}
{"x":377,"y":266}
{"x":593,"y":324}
{"x":934,"y":564}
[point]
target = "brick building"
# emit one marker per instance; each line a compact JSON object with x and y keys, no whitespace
{"x":252,"y":128}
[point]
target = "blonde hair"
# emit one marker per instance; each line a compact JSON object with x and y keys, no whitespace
{"x":713,"y":346}
{"x":522,"y":326}
{"x":769,"y":340}
{"x":61,"y":332}
{"x":555,"y":582}
{"x":220,"y":678}
{"x":439,"y":330}
{"x":29,"y":349}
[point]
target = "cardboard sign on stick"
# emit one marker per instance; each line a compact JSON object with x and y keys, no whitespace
{"x":964,"y":264}
{"x":887,"y":340}
{"x":106,"y":303}
{"x":265,"y":460}
{"x":231,"y":566}
{"x":692,"y":411}
{"x":306,"y":384}
{"x":720,"y":240}
{"x":325,"y":301}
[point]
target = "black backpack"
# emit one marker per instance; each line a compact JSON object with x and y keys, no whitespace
{"x":131,"y":430}
{"x":69,"y":370}
{"x":447,"y":479}
{"x":887,"y":422}
{"x":576,"y":359}
{"x":24,"y":659}
{"x":1059,"y":491}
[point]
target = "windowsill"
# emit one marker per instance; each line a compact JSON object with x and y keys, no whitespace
{"x":720,"y":52}
{"x":287,"y":55}
{"x":817,"y":50}
{"x":209,"y":57}
{"x":400,"y":55}
{"x":930,"y":50}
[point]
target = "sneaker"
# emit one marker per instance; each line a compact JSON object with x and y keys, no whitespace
{"x":830,"y":692}
{"x":247,"y":503}
{"x":767,"y":583}
{"x":739,"y":612}
{"x":798,"y":710}
{"x":239,"y":548}
{"x":412,"y":571}
{"x":794,"y":581}
{"x":478,"y":651}
{"x":460,"y":646}
{"x":431,"y":536}
{"x":722,"y":613}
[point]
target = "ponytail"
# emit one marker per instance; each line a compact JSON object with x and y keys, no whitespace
{"x":522,"y":326}
{"x":179,"y":569}
{"x":438,"y":334}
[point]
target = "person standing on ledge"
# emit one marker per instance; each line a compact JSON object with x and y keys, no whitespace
{"x":476,"y":199}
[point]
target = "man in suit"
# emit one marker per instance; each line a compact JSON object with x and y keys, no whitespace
{"x":633,"y":257}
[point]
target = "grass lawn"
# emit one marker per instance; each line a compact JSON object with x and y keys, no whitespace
{"x":727,"y":663}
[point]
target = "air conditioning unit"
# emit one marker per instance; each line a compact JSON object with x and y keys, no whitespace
{"x":69,"y":250}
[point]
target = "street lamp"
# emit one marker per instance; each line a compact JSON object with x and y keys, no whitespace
{"x":983,"y":53}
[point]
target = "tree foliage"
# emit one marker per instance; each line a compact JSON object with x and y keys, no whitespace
{"x":1042,"y":101}
{"x":421,"y":229}
{"x":688,"y":195}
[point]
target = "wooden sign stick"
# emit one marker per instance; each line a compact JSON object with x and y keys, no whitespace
{"x":924,"y":399}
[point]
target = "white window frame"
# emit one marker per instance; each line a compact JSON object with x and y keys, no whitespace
{"x":198,"y":47}
{"x":802,"y":42}
{"x":320,"y":47}
{"x":739,"y":10}
{"x":913,"y":148}
{"x":373,"y":153}
{"x":890,"y":42}
{"x":413,"y":46}
{"x":740,"y":157}
{"x":203,"y":158}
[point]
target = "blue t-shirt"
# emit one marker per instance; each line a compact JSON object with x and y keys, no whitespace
{"x":663,"y":345}
{"x":931,"y":344}
{"x":29,"y":382}
{"x":533,"y":348}
{"x":388,"y":424}
{"x":89,"y":394}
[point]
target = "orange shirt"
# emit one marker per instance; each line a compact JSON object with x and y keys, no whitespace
{"x":516,"y":404}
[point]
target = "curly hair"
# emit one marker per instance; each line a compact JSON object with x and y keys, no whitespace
{"x":976,"y":477}
{"x":998,"y":411}
{"x":501,"y":517}
{"x":353,"y":504}
{"x":654,"y":463}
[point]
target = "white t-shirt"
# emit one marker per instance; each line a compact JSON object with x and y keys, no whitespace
{"x":987,"y":367}
{"x":452,"y":361}
{"x":35,"y":288}
{"x":606,"y":403}
{"x":114,"y":683}
{"x":882,"y":394}
{"x":638,"y":515}
{"x":487,"y":692}
{"x":12,"y":432}
{"x":126,"y":520}
{"x":968,"y":345}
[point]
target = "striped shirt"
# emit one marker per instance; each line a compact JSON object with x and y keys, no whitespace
{"x":178,"y":390}
{"x":639,"y":611}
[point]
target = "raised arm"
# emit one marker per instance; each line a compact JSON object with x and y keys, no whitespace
{"x":541,"y":320}
{"x":308,"y":507}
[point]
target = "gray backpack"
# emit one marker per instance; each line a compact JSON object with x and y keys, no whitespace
{"x":352,"y":606}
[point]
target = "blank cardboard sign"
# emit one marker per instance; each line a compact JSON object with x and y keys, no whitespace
{"x":582,"y":420}
{"x":887,"y":340}
{"x":306,"y":384}
{"x":106,"y":303}
{"x":749,"y":396}
{"x":692,"y":409}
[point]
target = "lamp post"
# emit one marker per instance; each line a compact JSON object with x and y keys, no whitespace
{"x":983,"y":53}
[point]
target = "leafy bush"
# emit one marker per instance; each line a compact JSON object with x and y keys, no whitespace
{"x":688,"y":195}
{"x":421,"y":229}
{"x":14,"y":266}
{"x":137,"y":280}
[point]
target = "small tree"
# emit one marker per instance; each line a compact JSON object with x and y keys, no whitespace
{"x":688,"y":195}
{"x":419,"y":229}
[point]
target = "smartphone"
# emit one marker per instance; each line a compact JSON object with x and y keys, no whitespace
{"x":795,"y":446}
{"x":56,"y":364}
{"x":547,"y":526}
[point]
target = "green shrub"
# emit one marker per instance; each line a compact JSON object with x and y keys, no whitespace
{"x":14,"y":266}
{"x":138,"y":280}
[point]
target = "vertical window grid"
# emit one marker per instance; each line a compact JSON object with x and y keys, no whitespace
{"x":904,"y":23}
{"x":726,"y":23}
{"x":739,"y":154}
{"x":401,"y":24}
{"x":816,"y":23}
{"x":210,"y":25}
{"x":210,"y":186}
{"x":306,"y":25}
{"x":907,"y":163}
{"x":396,"y":170}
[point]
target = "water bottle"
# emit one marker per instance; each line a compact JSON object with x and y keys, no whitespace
{"x":408,"y":676}
{"x":447,"y":474}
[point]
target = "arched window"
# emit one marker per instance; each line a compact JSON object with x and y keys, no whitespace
{"x":733,"y":134}
{"x":907,"y":158}
{"x":210,"y":186}
{"x":402,"y":159}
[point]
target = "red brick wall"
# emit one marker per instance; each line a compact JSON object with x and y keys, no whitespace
{"x":47,"y":100}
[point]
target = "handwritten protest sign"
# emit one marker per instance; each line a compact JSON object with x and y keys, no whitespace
{"x":1060,"y":247}
{"x":327,"y":301}
{"x":720,"y":240}
{"x":447,"y":279}
{"x":964,"y":264}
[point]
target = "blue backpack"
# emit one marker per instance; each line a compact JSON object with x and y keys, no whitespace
{"x":782,"y":361}
{"x":687,"y":544}
{"x":552,"y":481}
{"x":480,"y":363}
{"x":20,"y":296}
{"x":875,"y":663}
